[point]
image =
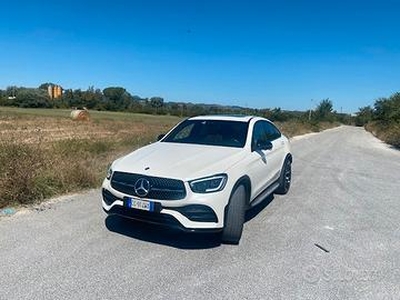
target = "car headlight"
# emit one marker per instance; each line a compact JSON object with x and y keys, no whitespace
{"x":209,"y":184}
{"x":109,"y":172}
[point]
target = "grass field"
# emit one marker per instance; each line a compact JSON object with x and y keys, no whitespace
{"x":44,"y":153}
{"x":48,"y":125}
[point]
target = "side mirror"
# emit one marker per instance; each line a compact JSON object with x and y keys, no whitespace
{"x":160,"y":137}
{"x":263,"y":145}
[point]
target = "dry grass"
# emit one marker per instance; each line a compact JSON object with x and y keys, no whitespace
{"x":43,"y":155}
{"x":293,"y":128}
{"x":33,"y":128}
{"x":388,"y":132}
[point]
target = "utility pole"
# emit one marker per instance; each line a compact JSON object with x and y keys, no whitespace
{"x":309,"y":115}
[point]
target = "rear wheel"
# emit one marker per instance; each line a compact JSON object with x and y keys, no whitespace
{"x":234,"y":217}
{"x":285,"y":178}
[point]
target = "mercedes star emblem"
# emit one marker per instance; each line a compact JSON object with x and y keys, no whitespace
{"x":142,"y":187}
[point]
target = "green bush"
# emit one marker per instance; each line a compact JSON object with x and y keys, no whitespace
{"x":384,"y":119}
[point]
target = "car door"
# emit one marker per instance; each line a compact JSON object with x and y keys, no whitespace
{"x":264,"y":163}
{"x":277,"y":153}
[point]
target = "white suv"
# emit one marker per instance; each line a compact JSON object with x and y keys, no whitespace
{"x":201,"y":176}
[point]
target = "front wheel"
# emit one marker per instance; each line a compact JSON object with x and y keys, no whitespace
{"x":285,"y":178}
{"x":234,"y":217}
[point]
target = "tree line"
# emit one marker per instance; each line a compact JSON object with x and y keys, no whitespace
{"x":110,"y":98}
{"x":119,"y":99}
{"x":382,"y":119}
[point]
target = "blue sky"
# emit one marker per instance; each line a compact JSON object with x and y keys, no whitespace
{"x":260,"y":54}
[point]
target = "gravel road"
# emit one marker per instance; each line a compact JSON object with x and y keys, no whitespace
{"x":336,"y":235}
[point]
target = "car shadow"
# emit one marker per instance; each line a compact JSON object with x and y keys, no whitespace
{"x":254,"y":211}
{"x":171,"y":237}
{"x":162,"y":235}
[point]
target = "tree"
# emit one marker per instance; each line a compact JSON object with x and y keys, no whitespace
{"x":45,"y":86}
{"x":388,"y":110}
{"x":114,"y":93}
{"x":28,"y":97}
{"x":323,"y":112}
{"x":91,"y":98}
{"x":3,"y":99}
{"x":364,"y":115}
{"x":395,"y":105}
{"x":156,"y":103}
{"x":117,"y":98}
{"x":278,"y":115}
{"x":382,"y":109}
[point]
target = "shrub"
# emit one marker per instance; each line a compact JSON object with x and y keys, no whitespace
{"x":388,"y":132}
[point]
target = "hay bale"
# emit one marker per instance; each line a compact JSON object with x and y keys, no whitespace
{"x":80,"y":115}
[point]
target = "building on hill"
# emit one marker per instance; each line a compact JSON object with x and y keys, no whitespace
{"x":55,"y":91}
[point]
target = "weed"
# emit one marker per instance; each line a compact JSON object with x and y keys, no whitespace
{"x":19,"y":165}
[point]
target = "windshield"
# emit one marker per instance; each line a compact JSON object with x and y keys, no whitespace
{"x":210,"y":132}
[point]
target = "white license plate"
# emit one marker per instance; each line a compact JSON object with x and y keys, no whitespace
{"x":140,"y":204}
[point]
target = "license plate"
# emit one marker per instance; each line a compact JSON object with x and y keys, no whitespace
{"x":140,"y":204}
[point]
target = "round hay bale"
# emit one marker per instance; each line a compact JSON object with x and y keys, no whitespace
{"x":80,"y":115}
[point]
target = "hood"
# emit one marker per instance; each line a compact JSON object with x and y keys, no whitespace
{"x":179,"y":161}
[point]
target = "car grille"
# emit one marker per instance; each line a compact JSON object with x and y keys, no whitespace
{"x":160,"y":188}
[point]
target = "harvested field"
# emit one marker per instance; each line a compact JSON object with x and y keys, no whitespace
{"x":44,"y":153}
{"x":31,"y":128}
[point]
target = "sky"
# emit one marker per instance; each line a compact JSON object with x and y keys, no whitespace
{"x":260,"y":54}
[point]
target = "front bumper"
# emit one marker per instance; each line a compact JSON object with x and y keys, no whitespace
{"x":187,"y":217}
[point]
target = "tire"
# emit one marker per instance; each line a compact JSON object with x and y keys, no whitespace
{"x":234,"y":216}
{"x":285,"y":178}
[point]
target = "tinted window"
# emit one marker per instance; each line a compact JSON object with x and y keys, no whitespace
{"x":264,"y":131}
{"x":271,"y":131}
{"x":259,"y":134}
{"x":210,"y":132}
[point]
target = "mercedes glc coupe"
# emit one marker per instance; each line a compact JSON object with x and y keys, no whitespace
{"x":202,"y":175}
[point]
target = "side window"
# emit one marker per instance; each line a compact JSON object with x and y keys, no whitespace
{"x":258,"y":134}
{"x":271,"y":131}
